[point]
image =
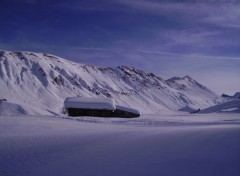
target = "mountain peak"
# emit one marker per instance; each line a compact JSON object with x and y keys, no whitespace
{"x":175,"y":78}
{"x":186,"y":77}
{"x":235,"y":96}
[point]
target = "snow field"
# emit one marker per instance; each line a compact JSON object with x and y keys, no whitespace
{"x":171,"y":145}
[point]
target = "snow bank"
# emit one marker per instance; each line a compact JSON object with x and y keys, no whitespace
{"x":90,"y":103}
{"x":14,"y":108}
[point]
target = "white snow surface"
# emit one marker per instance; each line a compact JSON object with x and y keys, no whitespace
{"x":168,"y":144}
{"x":232,"y":106}
{"x":90,"y":103}
{"x":43,"y":81}
{"x":13,"y":108}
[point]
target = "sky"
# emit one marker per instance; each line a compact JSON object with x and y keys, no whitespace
{"x":199,"y":38}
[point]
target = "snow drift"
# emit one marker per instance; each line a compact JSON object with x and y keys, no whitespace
{"x":14,"y":108}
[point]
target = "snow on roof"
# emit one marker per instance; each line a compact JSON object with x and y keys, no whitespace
{"x":128,"y":109}
{"x":90,"y":103}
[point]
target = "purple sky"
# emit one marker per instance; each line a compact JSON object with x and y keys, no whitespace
{"x":200,"y":38}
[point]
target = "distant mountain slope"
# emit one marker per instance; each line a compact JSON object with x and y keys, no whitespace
{"x":232,"y":106}
{"x":43,"y":81}
{"x":235,"y":96}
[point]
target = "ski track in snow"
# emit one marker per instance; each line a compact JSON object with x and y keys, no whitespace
{"x":152,"y":145}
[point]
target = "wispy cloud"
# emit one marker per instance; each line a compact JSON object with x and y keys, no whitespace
{"x":227,"y":15}
{"x":190,"y":56}
{"x":199,"y":40}
{"x":137,"y":53}
{"x":222,"y":12}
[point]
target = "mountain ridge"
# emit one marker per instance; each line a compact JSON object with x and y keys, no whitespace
{"x":48,"y":80}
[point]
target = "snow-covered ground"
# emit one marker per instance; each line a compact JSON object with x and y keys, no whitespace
{"x":167,"y":144}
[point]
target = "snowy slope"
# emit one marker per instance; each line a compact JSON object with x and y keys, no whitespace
{"x":236,"y":95}
{"x":43,"y":81}
{"x":232,"y":106}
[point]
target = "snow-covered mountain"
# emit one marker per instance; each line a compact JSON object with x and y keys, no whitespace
{"x":40,"y":82}
{"x":235,"y":96}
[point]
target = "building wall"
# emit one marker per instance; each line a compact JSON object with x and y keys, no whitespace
{"x":89,"y":112}
{"x":100,"y":113}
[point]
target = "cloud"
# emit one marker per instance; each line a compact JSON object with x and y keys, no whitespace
{"x":226,"y":16}
{"x":201,"y":40}
{"x":217,"y":12}
{"x":191,"y":36}
{"x":189,"y":56}
{"x":139,"y":53}
{"x":196,"y":41}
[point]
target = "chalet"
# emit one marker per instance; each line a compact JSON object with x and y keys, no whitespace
{"x":98,"y":107}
